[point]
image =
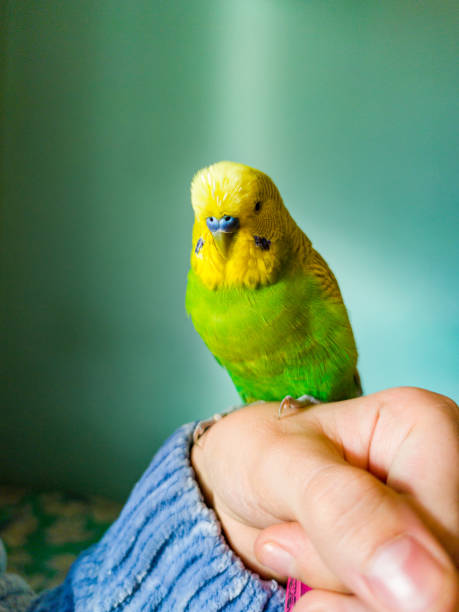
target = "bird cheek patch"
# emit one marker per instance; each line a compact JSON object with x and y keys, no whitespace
{"x":199,"y":245}
{"x":262,"y":243}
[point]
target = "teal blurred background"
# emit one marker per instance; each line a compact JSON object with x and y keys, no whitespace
{"x":109,"y":107}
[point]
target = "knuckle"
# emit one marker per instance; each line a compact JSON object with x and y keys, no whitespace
{"x":411,"y":395}
{"x":418,"y":402}
{"x":321,"y":485}
{"x":449,"y":406}
{"x":353,"y":505}
{"x":337,"y":492}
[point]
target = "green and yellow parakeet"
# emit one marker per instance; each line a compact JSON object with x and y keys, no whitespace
{"x":263,"y":300}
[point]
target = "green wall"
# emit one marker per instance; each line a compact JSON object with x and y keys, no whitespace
{"x":109,"y":107}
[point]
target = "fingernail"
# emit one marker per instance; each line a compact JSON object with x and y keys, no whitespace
{"x":404,"y":576}
{"x":277,"y":559}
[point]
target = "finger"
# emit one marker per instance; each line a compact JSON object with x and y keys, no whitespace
{"x":286,"y":549}
{"x":408,"y":438}
{"x":321,"y":601}
{"x":366,"y":534}
{"x":431,"y":479}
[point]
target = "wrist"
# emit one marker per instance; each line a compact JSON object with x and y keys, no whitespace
{"x":198,"y":463}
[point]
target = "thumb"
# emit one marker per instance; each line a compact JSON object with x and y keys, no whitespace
{"x":368,"y":536}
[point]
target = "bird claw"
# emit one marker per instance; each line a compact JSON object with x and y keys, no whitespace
{"x":203,"y":426}
{"x":206,"y":424}
{"x":290,"y":405}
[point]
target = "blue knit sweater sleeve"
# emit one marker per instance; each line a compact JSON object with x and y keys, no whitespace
{"x":165,"y":552}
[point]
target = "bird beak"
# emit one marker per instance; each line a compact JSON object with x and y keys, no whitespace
{"x":223,"y":230}
{"x":223,"y":241}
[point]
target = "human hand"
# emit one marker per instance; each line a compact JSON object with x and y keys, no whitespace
{"x":358,"y":499}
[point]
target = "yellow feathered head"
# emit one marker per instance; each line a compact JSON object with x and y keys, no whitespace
{"x":241,"y":226}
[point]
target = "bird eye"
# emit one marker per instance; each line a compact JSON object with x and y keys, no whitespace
{"x":257,"y":206}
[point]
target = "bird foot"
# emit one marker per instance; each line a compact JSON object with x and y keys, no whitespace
{"x":290,"y":405}
{"x":203,"y":426}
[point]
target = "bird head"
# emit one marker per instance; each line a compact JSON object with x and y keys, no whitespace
{"x":241,"y":226}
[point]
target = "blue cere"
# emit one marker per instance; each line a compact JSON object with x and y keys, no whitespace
{"x":229,"y":224}
{"x":226,"y":224}
{"x":212,"y":223}
{"x":199,"y":245}
{"x":262,"y":243}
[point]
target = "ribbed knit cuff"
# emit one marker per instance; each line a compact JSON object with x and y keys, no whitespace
{"x":165,"y":552}
{"x":15,"y":594}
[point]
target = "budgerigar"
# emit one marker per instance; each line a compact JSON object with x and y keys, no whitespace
{"x":262,"y":298}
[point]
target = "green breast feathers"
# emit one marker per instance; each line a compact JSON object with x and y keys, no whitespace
{"x":277,"y":340}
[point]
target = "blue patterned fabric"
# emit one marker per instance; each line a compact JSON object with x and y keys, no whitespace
{"x":2,"y":558}
{"x":165,"y":552}
{"x":15,"y":594}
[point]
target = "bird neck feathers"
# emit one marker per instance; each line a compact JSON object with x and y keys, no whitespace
{"x":254,"y":261}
